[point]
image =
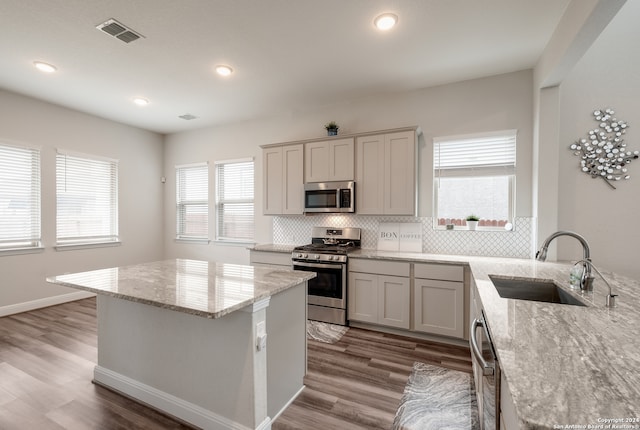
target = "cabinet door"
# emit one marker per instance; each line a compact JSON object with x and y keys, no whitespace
{"x":439,"y":307}
{"x":400,"y":175}
{"x":370,"y":175}
{"x":293,"y":179}
{"x":363,"y":297}
{"x":341,"y":163}
{"x":394,"y":302}
{"x":272,"y":180}
{"x":316,"y":162}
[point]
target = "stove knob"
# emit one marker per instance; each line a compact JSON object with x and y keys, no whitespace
{"x":305,"y":255}
{"x":331,"y":257}
{"x":317,"y":257}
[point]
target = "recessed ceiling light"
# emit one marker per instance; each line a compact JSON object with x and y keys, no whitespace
{"x":223,"y":70}
{"x":44,"y":67}
{"x":385,"y":21}
{"x":140,"y":101}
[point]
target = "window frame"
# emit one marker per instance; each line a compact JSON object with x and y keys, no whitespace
{"x":180,"y":235}
{"x":481,"y":170}
{"x":33,"y":241}
{"x":218,"y":202}
{"x":111,"y":239}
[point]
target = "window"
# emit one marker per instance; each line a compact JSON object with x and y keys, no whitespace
{"x":192,"y":202}
{"x":234,"y":200}
{"x":19,"y":197}
{"x":475,"y":174}
{"x":87,"y":200}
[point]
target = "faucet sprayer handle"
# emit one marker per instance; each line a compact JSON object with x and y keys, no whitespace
{"x":541,"y":255}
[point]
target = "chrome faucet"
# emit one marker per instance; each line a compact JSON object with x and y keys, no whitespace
{"x":611,"y":298}
{"x":586,"y":281}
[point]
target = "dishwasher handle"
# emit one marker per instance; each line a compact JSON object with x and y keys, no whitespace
{"x":487,"y":369}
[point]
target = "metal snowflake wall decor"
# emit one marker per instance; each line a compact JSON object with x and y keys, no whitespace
{"x":603,"y":152}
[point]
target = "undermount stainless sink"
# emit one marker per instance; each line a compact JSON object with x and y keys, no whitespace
{"x":538,"y":290}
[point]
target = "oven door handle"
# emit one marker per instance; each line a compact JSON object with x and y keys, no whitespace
{"x":487,"y":369}
{"x":317,"y":265}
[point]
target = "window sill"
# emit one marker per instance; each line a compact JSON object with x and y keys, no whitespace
{"x":478,"y":229}
{"x":75,"y":246}
{"x":193,"y":241}
{"x":228,"y":242}
{"x":21,"y":251}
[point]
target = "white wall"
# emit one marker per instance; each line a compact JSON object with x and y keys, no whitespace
{"x":29,"y":121}
{"x":607,"y":76}
{"x":494,"y":103}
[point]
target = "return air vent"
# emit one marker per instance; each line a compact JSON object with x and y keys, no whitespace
{"x":119,"y":31}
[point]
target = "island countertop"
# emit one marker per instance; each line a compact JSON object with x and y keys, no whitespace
{"x":206,"y":289}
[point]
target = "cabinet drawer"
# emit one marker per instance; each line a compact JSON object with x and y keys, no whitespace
{"x":279,"y":258}
{"x":381,"y":267}
{"x":444,"y":272}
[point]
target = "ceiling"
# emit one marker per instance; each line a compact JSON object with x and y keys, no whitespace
{"x":287,"y":55}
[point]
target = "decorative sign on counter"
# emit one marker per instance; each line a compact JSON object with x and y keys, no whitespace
{"x":394,"y":236}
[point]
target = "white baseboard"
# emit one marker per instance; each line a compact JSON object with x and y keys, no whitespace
{"x":287,"y":404}
{"x":167,"y":403}
{"x":43,"y":303}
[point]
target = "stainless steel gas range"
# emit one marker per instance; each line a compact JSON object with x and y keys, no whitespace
{"x":327,"y":256}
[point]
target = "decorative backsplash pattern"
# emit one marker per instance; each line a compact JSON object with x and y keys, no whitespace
{"x":517,"y":243}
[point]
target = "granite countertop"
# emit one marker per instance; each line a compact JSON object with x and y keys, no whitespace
{"x":270,"y":247}
{"x":202,"y":288}
{"x":565,"y":365}
{"x":414,"y":257}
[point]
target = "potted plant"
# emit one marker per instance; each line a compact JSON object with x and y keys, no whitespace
{"x":332,"y":128}
{"x":472,"y":221}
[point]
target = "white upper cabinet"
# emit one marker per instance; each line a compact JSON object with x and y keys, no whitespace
{"x":283,"y":186}
{"x":331,"y":160}
{"x":386,"y":174}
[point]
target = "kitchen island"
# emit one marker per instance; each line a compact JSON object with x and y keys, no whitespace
{"x":189,"y":338}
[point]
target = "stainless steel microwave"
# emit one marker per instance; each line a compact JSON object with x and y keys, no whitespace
{"x":330,"y":197}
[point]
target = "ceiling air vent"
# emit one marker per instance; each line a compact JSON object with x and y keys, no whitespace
{"x":119,"y":31}
{"x":188,"y":116}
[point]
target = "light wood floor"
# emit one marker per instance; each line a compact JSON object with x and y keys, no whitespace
{"x":47,"y":358}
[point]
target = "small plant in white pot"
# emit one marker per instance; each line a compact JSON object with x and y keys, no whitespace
{"x":332,"y":128}
{"x":472,"y":222}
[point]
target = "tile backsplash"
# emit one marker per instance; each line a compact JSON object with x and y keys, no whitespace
{"x":516,"y":243}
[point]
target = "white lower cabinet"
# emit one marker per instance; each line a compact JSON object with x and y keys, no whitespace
{"x":439,"y":307}
{"x":380,"y":299}
{"x":439,"y":299}
{"x":363,"y":297}
{"x":269,"y":259}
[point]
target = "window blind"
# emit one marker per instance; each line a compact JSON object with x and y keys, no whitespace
{"x":192,"y":199}
{"x":19,"y":197}
{"x":477,"y":155}
{"x":87,"y":200}
{"x":235,"y":200}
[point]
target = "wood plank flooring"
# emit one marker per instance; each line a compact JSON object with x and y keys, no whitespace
{"x":47,"y":358}
{"x":357,"y":382}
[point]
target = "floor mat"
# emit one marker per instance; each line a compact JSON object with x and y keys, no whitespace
{"x":325,"y":332}
{"x":436,"y":398}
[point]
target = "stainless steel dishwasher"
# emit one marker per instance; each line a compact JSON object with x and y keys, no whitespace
{"x":486,"y":370}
